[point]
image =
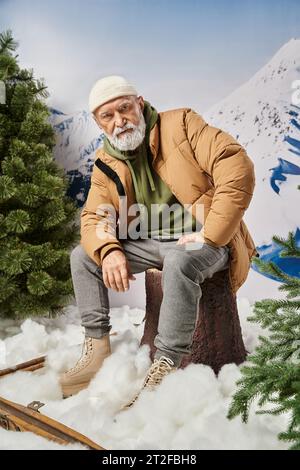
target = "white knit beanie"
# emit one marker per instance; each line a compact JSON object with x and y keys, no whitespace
{"x":108,"y":88}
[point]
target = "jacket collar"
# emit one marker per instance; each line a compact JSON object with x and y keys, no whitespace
{"x":154,"y":138}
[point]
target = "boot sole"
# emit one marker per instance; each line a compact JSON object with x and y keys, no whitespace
{"x":74,"y":389}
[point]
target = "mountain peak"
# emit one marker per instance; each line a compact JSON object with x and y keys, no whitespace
{"x":271,"y":84}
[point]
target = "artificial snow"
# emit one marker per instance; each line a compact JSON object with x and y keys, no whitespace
{"x":194,"y":417}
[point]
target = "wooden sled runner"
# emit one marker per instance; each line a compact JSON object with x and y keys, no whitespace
{"x":28,"y":366}
{"x":16,"y":417}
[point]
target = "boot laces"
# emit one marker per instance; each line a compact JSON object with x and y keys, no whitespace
{"x":86,"y":353}
{"x":158,"y":370}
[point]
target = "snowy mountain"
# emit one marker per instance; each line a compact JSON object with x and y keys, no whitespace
{"x":263,"y":116}
{"x":77,"y":138}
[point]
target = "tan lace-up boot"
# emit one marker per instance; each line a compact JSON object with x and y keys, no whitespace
{"x":94,"y":352}
{"x":159,"y":369}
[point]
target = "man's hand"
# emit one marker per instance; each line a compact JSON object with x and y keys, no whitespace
{"x":191,"y":237}
{"x":116,"y":271}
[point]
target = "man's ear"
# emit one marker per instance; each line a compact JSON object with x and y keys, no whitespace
{"x":141,"y":102}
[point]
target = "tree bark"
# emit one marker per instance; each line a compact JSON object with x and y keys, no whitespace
{"x":217,"y":337}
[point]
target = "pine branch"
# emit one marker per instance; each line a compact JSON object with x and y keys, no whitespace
{"x":272,"y":376}
{"x":291,"y":249}
{"x":7,"y":43}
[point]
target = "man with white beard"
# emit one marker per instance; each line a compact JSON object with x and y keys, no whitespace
{"x":122,"y":139}
{"x":157,"y":160}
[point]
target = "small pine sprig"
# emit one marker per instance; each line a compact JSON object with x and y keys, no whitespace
{"x":271,"y":376}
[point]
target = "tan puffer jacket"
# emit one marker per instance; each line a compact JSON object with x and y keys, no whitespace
{"x":201,"y":164}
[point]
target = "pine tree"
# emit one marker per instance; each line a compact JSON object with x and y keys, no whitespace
{"x":37,"y":225}
{"x":272,"y":376}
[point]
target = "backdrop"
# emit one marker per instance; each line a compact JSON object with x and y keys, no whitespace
{"x":236,"y":63}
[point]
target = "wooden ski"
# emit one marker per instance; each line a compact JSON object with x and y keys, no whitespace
{"x":29,"y":366}
{"x":16,"y":417}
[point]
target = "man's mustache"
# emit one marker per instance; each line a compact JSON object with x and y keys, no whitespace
{"x":118,"y":130}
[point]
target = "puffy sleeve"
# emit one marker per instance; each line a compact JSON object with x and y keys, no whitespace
{"x":98,"y":220}
{"x":232,"y":172}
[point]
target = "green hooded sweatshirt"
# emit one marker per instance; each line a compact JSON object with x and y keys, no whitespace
{"x":151,"y":189}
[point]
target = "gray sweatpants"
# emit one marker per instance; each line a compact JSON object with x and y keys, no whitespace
{"x":183,"y":271}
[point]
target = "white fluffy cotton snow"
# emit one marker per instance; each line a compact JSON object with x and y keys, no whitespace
{"x":187,"y":411}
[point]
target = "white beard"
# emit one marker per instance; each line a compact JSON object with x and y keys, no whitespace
{"x":128,"y":140}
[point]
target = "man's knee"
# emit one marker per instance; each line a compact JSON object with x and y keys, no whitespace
{"x":177,"y":260}
{"x":78,"y":257}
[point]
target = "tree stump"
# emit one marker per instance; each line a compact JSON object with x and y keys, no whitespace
{"x":217,"y":337}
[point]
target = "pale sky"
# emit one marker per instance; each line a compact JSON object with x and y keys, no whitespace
{"x":176,"y":53}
